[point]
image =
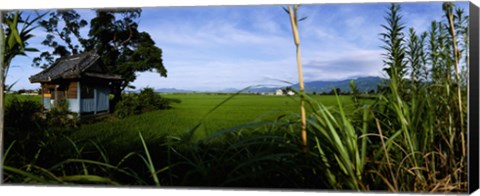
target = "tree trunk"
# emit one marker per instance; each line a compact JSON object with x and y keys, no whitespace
{"x":117,"y":96}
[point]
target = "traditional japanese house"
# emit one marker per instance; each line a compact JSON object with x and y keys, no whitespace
{"x":81,"y":80}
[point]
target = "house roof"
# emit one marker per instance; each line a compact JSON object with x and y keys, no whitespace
{"x":73,"y":67}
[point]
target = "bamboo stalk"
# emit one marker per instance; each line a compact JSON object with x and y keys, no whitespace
{"x":296,"y":39}
{"x":457,"y":78}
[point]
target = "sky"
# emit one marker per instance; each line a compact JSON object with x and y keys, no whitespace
{"x":212,"y":48}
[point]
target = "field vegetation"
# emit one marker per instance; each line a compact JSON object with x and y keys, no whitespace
{"x":194,"y":108}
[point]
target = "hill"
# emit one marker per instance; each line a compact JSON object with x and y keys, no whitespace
{"x":364,"y":84}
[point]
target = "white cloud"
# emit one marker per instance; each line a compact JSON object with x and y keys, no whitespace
{"x":329,"y":66}
{"x":355,"y":22}
{"x":222,"y":74}
{"x":215,"y":32}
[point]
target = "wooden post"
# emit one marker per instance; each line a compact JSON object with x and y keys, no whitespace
{"x":55,"y":100}
{"x":95,"y":100}
{"x":43,"y":94}
{"x":79,"y":98}
{"x":107,"y":90}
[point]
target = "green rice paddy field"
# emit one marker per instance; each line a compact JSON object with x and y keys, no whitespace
{"x":184,"y":116}
{"x":9,"y":97}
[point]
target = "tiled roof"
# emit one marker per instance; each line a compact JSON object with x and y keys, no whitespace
{"x":71,"y":67}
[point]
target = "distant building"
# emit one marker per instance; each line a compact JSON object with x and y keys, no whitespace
{"x":29,"y":93}
{"x":82,"y":80}
{"x":279,"y":92}
{"x":290,"y":93}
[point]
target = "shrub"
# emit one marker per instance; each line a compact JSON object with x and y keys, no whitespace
{"x":23,"y":124}
{"x":128,"y":106}
{"x":22,"y":118}
{"x":26,"y":119}
{"x":147,"y":100}
{"x":59,"y":118}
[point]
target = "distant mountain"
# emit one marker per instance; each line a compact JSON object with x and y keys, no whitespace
{"x":172,"y":90}
{"x":363,"y":84}
{"x":263,"y":90}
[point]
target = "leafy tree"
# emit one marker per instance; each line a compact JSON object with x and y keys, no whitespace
{"x":113,"y":35}
{"x":72,"y":23}
{"x":334,"y":91}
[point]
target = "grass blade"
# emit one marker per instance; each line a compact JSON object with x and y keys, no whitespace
{"x":150,"y":165}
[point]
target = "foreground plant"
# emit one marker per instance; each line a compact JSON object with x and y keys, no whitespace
{"x":13,"y":42}
{"x":420,"y":122}
{"x":292,"y":12}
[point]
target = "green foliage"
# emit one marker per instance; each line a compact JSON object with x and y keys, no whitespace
{"x":27,"y":123}
{"x":419,"y":127}
{"x":242,"y":109}
{"x":357,"y":96}
{"x":336,"y":145}
{"x":14,"y":42}
{"x":393,"y":43}
{"x":147,"y":100}
{"x":59,"y":118}
{"x":413,"y":56}
{"x":72,"y":25}
{"x":22,"y":117}
{"x":128,"y":106}
{"x":113,"y":34}
{"x":17,"y":38}
{"x":23,"y":124}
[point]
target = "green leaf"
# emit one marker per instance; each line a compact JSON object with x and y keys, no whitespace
{"x":303,"y":18}
{"x":18,"y":39}
{"x":286,"y":10}
{"x":31,"y":50}
{"x":149,"y":164}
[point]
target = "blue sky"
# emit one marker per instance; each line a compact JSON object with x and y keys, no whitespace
{"x":217,"y":47}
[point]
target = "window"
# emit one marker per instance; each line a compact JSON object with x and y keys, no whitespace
{"x":86,"y":91}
